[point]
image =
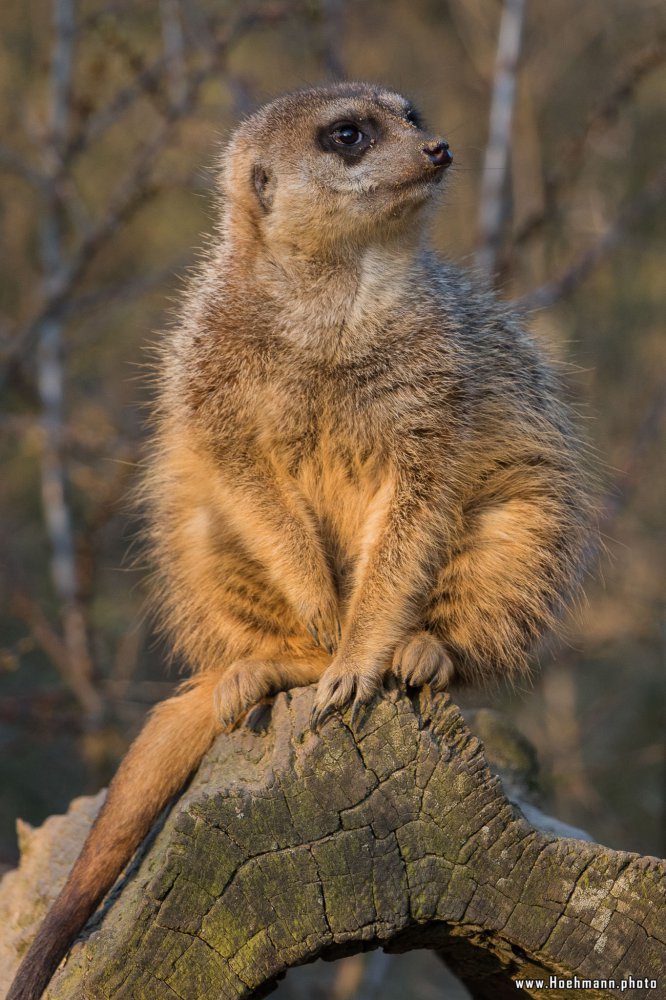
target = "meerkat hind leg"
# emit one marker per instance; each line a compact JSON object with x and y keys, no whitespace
{"x":246,"y":682}
{"x":422,"y":659}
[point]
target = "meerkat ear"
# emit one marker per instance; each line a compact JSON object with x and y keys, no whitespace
{"x":264,"y":185}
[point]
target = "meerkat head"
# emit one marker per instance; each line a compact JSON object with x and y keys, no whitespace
{"x":338,"y":165}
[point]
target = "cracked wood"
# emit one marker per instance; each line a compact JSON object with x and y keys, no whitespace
{"x":289,"y":845}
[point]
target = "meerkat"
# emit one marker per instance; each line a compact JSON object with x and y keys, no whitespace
{"x":361,"y":464}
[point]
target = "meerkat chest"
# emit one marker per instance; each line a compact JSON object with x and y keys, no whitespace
{"x":348,"y":486}
{"x":322,"y":437}
{"x":335,"y":457}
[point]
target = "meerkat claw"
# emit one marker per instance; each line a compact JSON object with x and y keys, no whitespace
{"x":341,"y":685}
{"x":319,"y":715}
{"x":358,"y":710}
{"x":423,"y":659}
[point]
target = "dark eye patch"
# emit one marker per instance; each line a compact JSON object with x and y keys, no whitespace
{"x":414,"y":118}
{"x":348,"y":137}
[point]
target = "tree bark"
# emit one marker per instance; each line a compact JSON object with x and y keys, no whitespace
{"x":289,"y":846}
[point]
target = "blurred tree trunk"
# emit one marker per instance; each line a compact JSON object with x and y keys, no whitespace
{"x":77,"y":662}
{"x":493,"y":207}
{"x":289,"y":846}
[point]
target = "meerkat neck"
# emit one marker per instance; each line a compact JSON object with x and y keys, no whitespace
{"x":334,"y":303}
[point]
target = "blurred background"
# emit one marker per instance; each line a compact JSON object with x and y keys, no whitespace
{"x":111,"y":114}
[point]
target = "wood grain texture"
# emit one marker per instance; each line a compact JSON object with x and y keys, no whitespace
{"x":289,"y":846}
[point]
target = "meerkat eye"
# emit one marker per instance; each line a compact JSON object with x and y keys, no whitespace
{"x":414,"y":118}
{"x":348,"y":139}
{"x":347,"y":134}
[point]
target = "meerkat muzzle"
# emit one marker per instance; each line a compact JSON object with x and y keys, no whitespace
{"x":439,"y":154}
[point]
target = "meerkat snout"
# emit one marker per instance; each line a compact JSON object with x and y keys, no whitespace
{"x":439,"y":153}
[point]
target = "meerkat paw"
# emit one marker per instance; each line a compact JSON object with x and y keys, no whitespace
{"x":339,"y":684}
{"x":422,"y":660}
{"x":244,"y":684}
{"x":324,"y":627}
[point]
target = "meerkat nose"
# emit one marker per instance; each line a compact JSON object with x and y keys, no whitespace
{"x":438,"y":153}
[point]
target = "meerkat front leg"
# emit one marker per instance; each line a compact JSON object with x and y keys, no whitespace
{"x":422,"y":659}
{"x":279,"y":531}
{"x":513,"y":569}
{"x":393,"y":573}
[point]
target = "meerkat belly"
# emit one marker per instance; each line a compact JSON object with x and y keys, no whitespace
{"x":349,"y":495}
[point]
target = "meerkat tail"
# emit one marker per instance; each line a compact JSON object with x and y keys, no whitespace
{"x":172,"y":743}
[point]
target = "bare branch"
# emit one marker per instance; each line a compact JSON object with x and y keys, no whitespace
{"x":15,"y":164}
{"x":49,"y":640}
{"x":332,"y":32}
{"x":648,"y":431}
{"x":560,"y":287}
{"x":562,"y":175}
{"x":78,"y":668}
{"x":492,"y":210}
{"x":62,"y":65}
{"x":125,"y":291}
{"x":98,"y":122}
{"x":126,"y":660}
{"x":475,"y":41}
{"x":41,"y":629}
{"x":137,"y":186}
{"x":38,"y":711}
{"x":174,"y":51}
{"x":132,"y":192}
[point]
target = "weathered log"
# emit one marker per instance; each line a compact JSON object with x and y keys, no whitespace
{"x":289,"y":845}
